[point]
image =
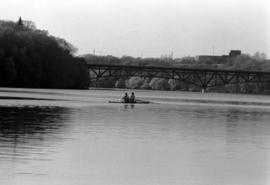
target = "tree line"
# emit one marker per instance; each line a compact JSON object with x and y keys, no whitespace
{"x":30,"y":57}
{"x":256,"y":62}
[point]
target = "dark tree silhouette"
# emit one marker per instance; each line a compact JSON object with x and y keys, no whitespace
{"x":32,"y":58}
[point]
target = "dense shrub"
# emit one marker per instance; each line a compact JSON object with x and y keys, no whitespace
{"x":134,"y":82}
{"x":145,"y":84}
{"x":159,"y":84}
{"x":107,"y":82}
{"x":121,"y":83}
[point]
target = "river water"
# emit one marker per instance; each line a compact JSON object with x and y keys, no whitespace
{"x":70,"y":137}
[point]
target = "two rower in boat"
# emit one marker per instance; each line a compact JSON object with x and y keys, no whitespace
{"x":127,"y":99}
{"x":130,"y":99}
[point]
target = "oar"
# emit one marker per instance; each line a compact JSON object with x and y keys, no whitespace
{"x":138,"y":100}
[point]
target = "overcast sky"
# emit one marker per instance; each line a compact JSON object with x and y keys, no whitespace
{"x":151,"y":28}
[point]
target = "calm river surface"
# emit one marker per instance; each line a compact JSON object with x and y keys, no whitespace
{"x":69,"y":137}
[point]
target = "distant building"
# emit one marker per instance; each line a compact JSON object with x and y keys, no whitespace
{"x":218,"y":59}
{"x":234,"y":53}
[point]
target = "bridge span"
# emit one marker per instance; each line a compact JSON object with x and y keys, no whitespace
{"x":203,"y":78}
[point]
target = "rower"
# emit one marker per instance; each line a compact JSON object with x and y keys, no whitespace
{"x":125,"y":99}
{"x":132,"y":98}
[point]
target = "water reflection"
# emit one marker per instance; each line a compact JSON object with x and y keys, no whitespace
{"x":25,"y":130}
{"x":129,"y":106}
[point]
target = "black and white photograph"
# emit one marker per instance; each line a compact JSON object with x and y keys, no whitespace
{"x":135,"y":92}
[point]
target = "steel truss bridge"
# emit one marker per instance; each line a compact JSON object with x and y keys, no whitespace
{"x":203,"y":78}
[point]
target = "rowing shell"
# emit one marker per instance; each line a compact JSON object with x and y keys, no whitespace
{"x":137,"y":102}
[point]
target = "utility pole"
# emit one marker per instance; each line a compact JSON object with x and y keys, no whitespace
{"x":213,"y":50}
